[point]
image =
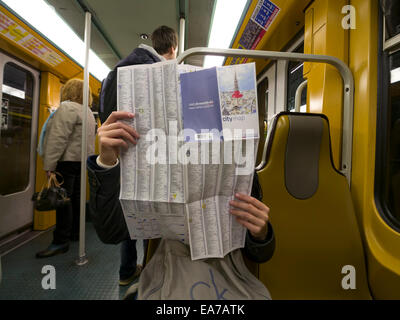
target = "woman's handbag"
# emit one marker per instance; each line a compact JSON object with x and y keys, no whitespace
{"x":52,"y":197}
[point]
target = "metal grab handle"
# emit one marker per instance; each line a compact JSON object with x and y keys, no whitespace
{"x":344,"y":70}
{"x":299,"y":92}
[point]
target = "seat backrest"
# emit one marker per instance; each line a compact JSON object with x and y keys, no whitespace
{"x":312,"y":214}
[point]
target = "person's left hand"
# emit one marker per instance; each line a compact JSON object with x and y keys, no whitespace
{"x":252,"y":214}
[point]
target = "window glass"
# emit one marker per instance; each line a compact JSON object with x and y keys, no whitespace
{"x":295,"y":79}
{"x":391,"y":11}
{"x":392,"y":165}
{"x":15,"y":134}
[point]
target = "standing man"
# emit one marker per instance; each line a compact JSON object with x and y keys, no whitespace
{"x":165,"y":46}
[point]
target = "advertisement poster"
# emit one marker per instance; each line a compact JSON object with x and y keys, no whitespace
{"x":16,"y":33}
{"x":263,"y":16}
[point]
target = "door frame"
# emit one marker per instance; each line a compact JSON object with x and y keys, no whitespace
{"x":23,"y":220}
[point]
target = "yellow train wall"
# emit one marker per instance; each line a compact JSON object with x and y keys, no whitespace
{"x":321,"y":21}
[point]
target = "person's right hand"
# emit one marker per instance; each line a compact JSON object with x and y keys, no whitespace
{"x":114,"y":134}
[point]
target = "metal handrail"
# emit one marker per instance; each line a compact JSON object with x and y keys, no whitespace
{"x":344,"y":70}
{"x":299,"y":92}
{"x":82,"y":259}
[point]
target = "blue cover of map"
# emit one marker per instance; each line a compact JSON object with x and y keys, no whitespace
{"x":200,"y":104}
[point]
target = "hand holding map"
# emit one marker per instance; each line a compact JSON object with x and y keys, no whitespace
{"x":199,"y":136}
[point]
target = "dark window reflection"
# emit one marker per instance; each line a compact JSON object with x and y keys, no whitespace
{"x":392,"y":190}
{"x":295,"y":79}
{"x":15,"y":134}
{"x":391,"y":9}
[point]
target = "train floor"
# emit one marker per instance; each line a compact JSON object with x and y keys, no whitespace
{"x":96,"y":280}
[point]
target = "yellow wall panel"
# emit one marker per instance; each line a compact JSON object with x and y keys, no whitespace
{"x":325,"y":87}
{"x":321,"y":14}
{"x":308,"y":38}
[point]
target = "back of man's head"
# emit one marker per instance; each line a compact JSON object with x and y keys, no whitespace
{"x":164,"y":38}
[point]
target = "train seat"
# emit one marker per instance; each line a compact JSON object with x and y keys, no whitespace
{"x":317,"y":235}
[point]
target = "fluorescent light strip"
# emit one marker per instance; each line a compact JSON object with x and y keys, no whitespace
{"x":303,"y":109}
{"x":46,"y":20}
{"x":13,"y":91}
{"x":395,"y":75}
{"x":226,"y":18}
{"x":297,"y":68}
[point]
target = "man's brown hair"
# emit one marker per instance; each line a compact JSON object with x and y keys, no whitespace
{"x":73,"y":91}
{"x":164,"y":38}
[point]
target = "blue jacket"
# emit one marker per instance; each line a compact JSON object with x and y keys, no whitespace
{"x":108,"y":95}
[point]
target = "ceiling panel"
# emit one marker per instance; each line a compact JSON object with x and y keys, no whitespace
{"x":199,"y":13}
{"x":74,"y":16}
{"x":119,"y":23}
{"x":123,"y":21}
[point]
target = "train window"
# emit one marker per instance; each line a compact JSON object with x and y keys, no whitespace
{"x":15,"y":134}
{"x":391,"y":161}
{"x":392,"y":19}
{"x":387,"y":176}
{"x":295,"y":79}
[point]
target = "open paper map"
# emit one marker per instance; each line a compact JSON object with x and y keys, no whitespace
{"x":199,"y":137}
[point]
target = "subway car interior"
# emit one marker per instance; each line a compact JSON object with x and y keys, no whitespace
{"x":328,"y":160}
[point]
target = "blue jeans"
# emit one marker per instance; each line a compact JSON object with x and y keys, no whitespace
{"x":129,"y":258}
